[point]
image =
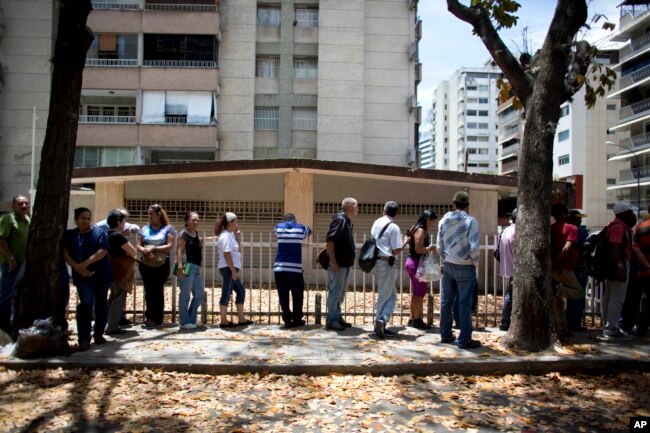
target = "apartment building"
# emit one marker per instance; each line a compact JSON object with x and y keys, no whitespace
{"x":511,"y":123}
{"x":633,"y":92}
{"x":465,"y":121}
{"x":217,"y":80}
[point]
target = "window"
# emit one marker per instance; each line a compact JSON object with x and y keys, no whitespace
{"x":564,"y":111}
{"x":179,"y":48}
{"x":306,"y":69}
{"x":96,"y":113}
{"x":471,"y":150}
{"x":483,"y":151}
{"x":267,"y":67}
{"x":482,"y":113}
{"x":113,"y":46}
{"x":306,"y":17}
{"x":268,"y":16}
{"x":483,"y":126}
{"x":611,"y":181}
{"x":482,"y":100}
{"x":304,"y":119}
{"x":471,"y":87}
{"x":267,"y":119}
{"x":611,"y":107}
{"x":471,"y":112}
{"x":193,"y":108}
{"x":472,"y":100}
{"x":563,"y":135}
{"x":483,"y":88}
{"x":471,"y":125}
{"x":563,"y":160}
{"x":103,"y":156}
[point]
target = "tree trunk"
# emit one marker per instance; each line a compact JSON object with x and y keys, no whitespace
{"x":40,"y":287}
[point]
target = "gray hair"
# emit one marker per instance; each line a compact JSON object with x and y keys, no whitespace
{"x":390,"y":208}
{"x":347,"y":202}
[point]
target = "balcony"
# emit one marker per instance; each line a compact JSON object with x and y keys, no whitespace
{"x":116,"y":4}
{"x":509,"y":167}
{"x":641,"y":141}
{"x":106,"y":119}
{"x":637,"y":46}
{"x":418,"y":30}
{"x":167,"y":5}
{"x":120,"y":63}
{"x":180,"y":63}
{"x":631,"y":174}
{"x":632,"y":111}
{"x":634,"y":78}
{"x":418,"y":73}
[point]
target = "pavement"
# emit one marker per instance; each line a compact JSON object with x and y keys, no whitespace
{"x":313,"y":350}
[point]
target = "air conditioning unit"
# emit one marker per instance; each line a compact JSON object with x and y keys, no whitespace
{"x":412,"y":102}
{"x":413,"y":51}
{"x":410,"y":156}
{"x":412,"y":4}
{"x":418,"y":115}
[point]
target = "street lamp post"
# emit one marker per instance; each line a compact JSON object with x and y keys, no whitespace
{"x":637,"y":174}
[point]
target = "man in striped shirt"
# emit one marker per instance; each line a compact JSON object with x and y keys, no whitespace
{"x":288,"y":269}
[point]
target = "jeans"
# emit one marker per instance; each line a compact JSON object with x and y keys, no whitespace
{"x":92,"y":293}
{"x":7,"y":295}
{"x":386,"y":276}
{"x":190,"y":284}
{"x":294,"y":283}
{"x":154,"y":280}
{"x":474,"y":302}
{"x":337,"y":285}
{"x":229,"y":285}
{"x":458,"y":281}
{"x":575,"y":307}
{"x":506,"y":312}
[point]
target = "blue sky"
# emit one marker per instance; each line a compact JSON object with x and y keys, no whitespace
{"x":448,"y":43}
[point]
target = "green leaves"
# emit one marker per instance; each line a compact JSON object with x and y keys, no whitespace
{"x":502,"y":12}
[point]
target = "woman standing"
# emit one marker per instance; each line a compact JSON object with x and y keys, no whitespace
{"x":419,"y":244}
{"x":85,"y":250}
{"x":189,"y":244}
{"x":229,"y":265}
{"x":155,"y":241}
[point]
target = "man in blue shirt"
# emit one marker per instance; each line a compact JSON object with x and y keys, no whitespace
{"x":288,"y":269}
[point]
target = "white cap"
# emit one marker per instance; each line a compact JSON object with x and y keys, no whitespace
{"x":623,"y":206}
{"x":230,"y":216}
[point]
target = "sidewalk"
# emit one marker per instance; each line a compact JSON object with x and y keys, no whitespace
{"x":314,"y":351}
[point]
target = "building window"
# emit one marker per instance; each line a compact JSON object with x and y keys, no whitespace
{"x":469,"y":88}
{"x":267,"y":119}
{"x":564,"y":111}
{"x":483,"y":151}
{"x":483,"y":88}
{"x":482,"y":113}
{"x":563,"y":135}
{"x":114,"y":47}
{"x":471,"y":112}
{"x":306,"y":69}
{"x":304,"y":119}
{"x":85,"y":156}
{"x":611,"y":181}
{"x":563,"y":160}
{"x":482,"y":100}
{"x":180,"y":50}
{"x":306,"y":17}
{"x":483,"y":126}
{"x":96,"y":113}
{"x":611,"y":107}
{"x":267,"y":67}
{"x":268,"y":16}
{"x":193,"y":108}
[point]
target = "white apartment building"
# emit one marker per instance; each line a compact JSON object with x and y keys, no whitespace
{"x":426,"y":150}
{"x":465,"y":127}
{"x":220,"y":80}
{"x":631,"y":128}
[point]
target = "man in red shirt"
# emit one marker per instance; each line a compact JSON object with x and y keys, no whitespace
{"x":641,"y":247}
{"x":565,"y":256}
{"x":620,"y":250}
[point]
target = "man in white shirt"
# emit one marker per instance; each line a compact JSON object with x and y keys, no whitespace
{"x":389,"y":244}
{"x":506,"y":247}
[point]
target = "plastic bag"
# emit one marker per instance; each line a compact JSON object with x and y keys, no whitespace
{"x":41,"y":340}
{"x":428,"y":269}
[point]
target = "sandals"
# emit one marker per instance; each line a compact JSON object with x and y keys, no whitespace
{"x":227,"y":325}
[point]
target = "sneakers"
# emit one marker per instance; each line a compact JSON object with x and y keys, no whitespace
{"x":390,"y":334}
{"x":471,"y":344}
{"x":295,"y":324}
{"x":189,"y":326}
{"x":419,"y":324}
{"x":150,"y":324}
{"x":379,"y":329}
{"x":618,"y":336}
{"x":343,"y":323}
{"x":448,"y":340}
{"x":334,"y":326}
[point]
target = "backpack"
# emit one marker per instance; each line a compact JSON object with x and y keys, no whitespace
{"x":369,"y":252}
{"x":596,"y":256}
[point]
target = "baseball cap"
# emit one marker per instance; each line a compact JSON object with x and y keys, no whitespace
{"x":461,"y":197}
{"x":623,"y":206}
{"x":230,"y":216}
{"x":576,"y":213}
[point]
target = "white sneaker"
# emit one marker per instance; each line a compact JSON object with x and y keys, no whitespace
{"x":189,"y":326}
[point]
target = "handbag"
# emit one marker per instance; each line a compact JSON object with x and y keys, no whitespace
{"x":155,"y":260}
{"x":323,"y":259}
{"x":186,"y":269}
{"x":428,"y":269}
{"x":370,"y":251}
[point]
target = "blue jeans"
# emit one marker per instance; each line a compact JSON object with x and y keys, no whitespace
{"x":337,"y":286}
{"x":458,"y":281}
{"x":575,"y":307}
{"x":229,"y":285}
{"x":507,"y":304}
{"x":190,"y":284}
{"x":386,"y":292}
{"x":92,"y":293}
{"x":7,"y":295}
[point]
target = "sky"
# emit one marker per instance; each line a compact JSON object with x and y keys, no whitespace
{"x":448,"y":44}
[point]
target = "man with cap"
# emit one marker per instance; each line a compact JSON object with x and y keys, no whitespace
{"x":458,"y":246}
{"x":506,"y":246}
{"x":575,"y":307}
{"x":620,"y":250}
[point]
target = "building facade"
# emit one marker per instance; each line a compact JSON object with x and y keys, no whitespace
{"x":219,"y":80}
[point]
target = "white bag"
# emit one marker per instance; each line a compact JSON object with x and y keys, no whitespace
{"x":428,"y":269}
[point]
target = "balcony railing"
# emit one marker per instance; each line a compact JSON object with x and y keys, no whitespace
{"x":635,"y":77}
{"x":181,"y":63}
{"x":112,"y":62}
{"x":634,"y":47}
{"x":632,"y":173}
{"x":510,"y":166}
{"x":636,"y":141}
{"x":632,"y":110}
{"x":180,"y":7}
{"x":106,"y":119}
{"x":116,"y":5}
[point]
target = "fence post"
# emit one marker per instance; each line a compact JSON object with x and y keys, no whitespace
{"x":317,"y":309}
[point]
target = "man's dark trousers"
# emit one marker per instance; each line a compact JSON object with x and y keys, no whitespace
{"x":290,"y":282}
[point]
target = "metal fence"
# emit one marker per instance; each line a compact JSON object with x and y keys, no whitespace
{"x":258,"y":255}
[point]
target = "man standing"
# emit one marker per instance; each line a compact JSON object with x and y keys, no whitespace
{"x":506,"y":247}
{"x":340,"y":248}
{"x":458,"y":246}
{"x":564,"y":257}
{"x":620,"y":251}
{"x":641,"y":247}
{"x":14,"y":228}
{"x":575,"y":307}
{"x":389,"y":244}
{"x":288,"y":269}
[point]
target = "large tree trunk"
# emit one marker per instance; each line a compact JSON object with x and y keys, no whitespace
{"x":40,"y":288}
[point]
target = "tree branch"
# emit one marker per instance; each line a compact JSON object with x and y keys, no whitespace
{"x":479,"y":19}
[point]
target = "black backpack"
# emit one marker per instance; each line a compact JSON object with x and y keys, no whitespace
{"x":369,"y":252}
{"x":596,"y":256}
